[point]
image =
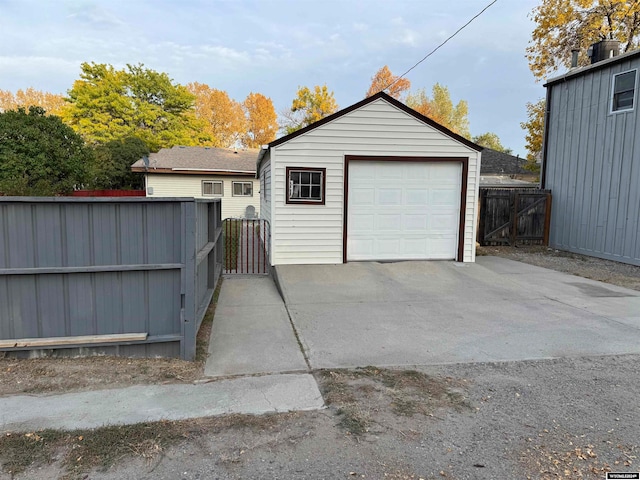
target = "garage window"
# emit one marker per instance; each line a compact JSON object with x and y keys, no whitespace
{"x":306,"y":185}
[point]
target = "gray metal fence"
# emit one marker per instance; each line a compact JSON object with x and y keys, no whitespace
{"x":123,"y":276}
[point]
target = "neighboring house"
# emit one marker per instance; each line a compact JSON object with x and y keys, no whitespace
{"x":375,"y":181}
{"x":502,"y":170}
{"x":203,"y":172}
{"x":591,"y":158}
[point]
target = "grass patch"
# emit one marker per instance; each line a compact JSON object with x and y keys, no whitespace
{"x":231,"y":236}
{"x":204,"y":333}
{"x":80,"y":451}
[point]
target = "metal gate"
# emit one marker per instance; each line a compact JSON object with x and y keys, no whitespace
{"x":246,"y":246}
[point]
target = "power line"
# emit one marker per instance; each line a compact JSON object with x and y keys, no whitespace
{"x":438,"y":47}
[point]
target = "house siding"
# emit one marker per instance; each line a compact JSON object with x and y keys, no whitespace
{"x":590,"y":167}
{"x":308,"y":234}
{"x":168,"y":185}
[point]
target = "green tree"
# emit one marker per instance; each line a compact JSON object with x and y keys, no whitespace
{"x":564,"y":25}
{"x":106,"y":104}
{"x":308,"y":107}
{"x":111,"y":167}
{"x":491,"y":140}
{"x":440,"y":109}
{"x":534,"y":128}
{"x":39,"y":154}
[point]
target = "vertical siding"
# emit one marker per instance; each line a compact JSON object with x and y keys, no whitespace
{"x":169,"y":185}
{"x":305,"y":234}
{"x":590,"y":167}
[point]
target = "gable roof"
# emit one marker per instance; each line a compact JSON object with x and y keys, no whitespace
{"x":380,"y":95}
{"x":192,"y":160}
{"x":500,"y":163}
{"x":577,"y":72}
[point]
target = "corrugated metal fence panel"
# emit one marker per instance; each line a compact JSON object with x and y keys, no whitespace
{"x":101,"y":266}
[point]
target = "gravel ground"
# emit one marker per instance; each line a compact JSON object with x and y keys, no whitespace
{"x":567,"y":418}
{"x":616,"y":273}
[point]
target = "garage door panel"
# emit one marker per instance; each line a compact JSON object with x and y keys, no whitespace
{"x":412,"y":214}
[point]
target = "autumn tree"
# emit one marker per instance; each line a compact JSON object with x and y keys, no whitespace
{"x":106,"y":104}
{"x":534,"y":128}
{"x":40,"y":155}
{"x":564,"y":25}
{"x":308,"y":107}
{"x":492,"y":141}
{"x":50,"y":102}
{"x":384,"y":80}
{"x":223,"y":117}
{"x":440,"y":109}
{"x":262,"y":120}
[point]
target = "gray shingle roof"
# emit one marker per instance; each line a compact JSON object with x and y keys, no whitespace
{"x":494,"y":162}
{"x":202,"y":158}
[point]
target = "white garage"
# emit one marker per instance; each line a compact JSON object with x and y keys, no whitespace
{"x":403,"y":210}
{"x":375,"y":181}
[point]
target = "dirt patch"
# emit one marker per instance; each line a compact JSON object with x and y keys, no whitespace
{"x":370,"y":397}
{"x":615,"y":273}
{"x":63,"y":374}
{"x":80,"y":451}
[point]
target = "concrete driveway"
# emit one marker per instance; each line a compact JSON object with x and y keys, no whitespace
{"x":418,"y":313}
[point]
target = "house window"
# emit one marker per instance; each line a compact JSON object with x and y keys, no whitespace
{"x":211,"y":188}
{"x":624,"y":89}
{"x":243,"y":189}
{"x":306,"y":185}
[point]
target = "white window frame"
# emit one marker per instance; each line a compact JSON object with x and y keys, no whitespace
{"x":233,"y":189}
{"x":613,"y":87}
{"x":291,"y":199}
{"x":213,"y":183}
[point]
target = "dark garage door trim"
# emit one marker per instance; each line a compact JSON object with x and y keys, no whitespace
{"x":463,"y":191}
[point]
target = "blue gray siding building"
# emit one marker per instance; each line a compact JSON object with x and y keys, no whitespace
{"x":591,"y":159}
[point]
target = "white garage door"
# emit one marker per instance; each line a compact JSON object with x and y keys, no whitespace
{"x":403,"y":210}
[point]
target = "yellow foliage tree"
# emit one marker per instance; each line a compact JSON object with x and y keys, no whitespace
{"x":534,"y":128}
{"x":440,"y":109}
{"x":223,"y":117}
{"x":52,"y":103}
{"x":384,"y":80}
{"x":262,"y":120}
{"x":563,"y":25}
{"x":308,"y":107}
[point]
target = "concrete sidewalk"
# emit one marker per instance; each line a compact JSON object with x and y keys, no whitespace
{"x":251,"y":331}
{"x":147,"y":403}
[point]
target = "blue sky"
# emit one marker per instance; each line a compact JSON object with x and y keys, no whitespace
{"x":274,"y":46}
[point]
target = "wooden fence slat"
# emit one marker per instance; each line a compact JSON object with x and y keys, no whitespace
{"x":514,"y":216}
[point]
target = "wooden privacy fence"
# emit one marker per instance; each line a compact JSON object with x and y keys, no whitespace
{"x":510,"y":216}
{"x":122,"y":276}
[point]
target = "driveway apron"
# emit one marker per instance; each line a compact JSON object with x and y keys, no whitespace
{"x":420,"y":313}
{"x":251,"y":331}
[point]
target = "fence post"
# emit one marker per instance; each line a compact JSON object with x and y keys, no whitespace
{"x":483,"y":214}
{"x":189,"y":307}
{"x":547,"y":219}
{"x":514,"y":221}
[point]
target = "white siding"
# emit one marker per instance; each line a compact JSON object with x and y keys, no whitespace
{"x":169,"y":185}
{"x":306,"y":234}
{"x":265,"y":196}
